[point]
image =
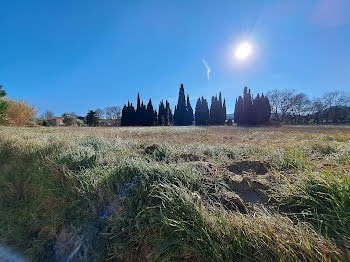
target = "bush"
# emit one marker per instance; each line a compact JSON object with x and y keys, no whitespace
{"x":19,"y":112}
{"x":45,"y":123}
{"x":70,"y":120}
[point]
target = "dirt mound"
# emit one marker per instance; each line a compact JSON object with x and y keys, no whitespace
{"x":233,"y":202}
{"x":249,"y":166}
{"x":248,"y":187}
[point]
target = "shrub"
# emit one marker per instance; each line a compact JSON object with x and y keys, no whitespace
{"x":45,"y":123}
{"x":70,"y":120}
{"x":19,"y":112}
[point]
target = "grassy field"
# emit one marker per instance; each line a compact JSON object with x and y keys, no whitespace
{"x":176,"y":193}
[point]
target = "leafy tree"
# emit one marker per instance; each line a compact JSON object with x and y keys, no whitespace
{"x":3,"y":106}
{"x":91,"y":118}
{"x":19,"y":113}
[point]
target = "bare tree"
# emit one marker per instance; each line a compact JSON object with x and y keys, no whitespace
{"x":100,"y":113}
{"x":336,"y":98}
{"x":113,"y":113}
{"x":281,"y":101}
{"x":289,"y":105}
{"x":300,"y":106}
{"x":47,"y":114}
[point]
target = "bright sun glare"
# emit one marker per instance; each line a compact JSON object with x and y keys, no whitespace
{"x":243,"y":51}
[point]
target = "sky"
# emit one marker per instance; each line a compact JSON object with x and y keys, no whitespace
{"x":77,"y":55}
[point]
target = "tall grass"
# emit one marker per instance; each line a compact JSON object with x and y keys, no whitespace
{"x":115,"y":195}
{"x":323,"y":199}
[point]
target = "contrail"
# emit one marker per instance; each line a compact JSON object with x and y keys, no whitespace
{"x":205,"y":63}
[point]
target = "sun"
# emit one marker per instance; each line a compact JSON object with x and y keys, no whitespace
{"x":243,"y":51}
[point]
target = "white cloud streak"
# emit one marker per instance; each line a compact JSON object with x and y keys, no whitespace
{"x":205,"y":63}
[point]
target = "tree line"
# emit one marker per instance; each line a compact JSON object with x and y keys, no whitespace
{"x":145,"y":115}
{"x":252,"y":111}
{"x":291,"y":107}
{"x":286,"y":106}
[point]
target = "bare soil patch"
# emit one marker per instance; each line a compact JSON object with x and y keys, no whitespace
{"x":249,"y":166}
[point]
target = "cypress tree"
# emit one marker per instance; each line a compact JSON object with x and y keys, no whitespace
{"x":142,"y":116}
{"x":239,"y":111}
{"x":161,"y":114}
{"x":168,"y":114}
{"x":213,"y":110}
{"x":258,"y":110}
{"x":180,"y":112}
{"x":129,"y":117}
{"x":198,"y":110}
{"x":149,"y":116}
{"x":266,"y":108}
{"x":224,"y":112}
{"x":215,"y":117}
{"x":155,"y":118}
{"x":248,"y":107}
{"x":133,"y":120}
{"x":202,"y":112}
{"x":138,"y":114}
{"x":123,"y":120}
{"x":189,"y":118}
{"x":251,"y":111}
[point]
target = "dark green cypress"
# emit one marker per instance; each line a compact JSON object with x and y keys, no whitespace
{"x":168,"y":114}
{"x":189,"y":118}
{"x":202,"y":112}
{"x":266,"y":109}
{"x":161,"y":114}
{"x":180,"y":110}
{"x":239,"y":111}
{"x":224,"y":112}
{"x":149,"y":119}
{"x":138,"y":113}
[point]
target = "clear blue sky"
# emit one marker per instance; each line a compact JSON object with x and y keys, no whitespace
{"x":71,"y":55}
